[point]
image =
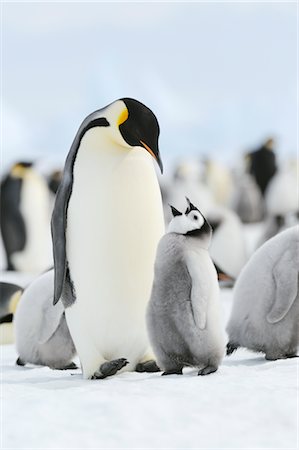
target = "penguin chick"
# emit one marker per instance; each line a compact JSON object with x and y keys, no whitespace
{"x":9,"y":297}
{"x":42,"y":334}
{"x":183,"y":314}
{"x":265,"y":313}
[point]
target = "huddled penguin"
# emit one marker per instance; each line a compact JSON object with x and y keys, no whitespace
{"x":282,"y":204}
{"x":219,"y":180}
{"x":9,"y":297}
{"x":54,"y":179}
{"x":228,"y":249}
{"x":25,"y":219}
{"x":265,"y":314}
{"x":247,"y":199}
{"x":41,"y":331}
{"x":188,"y":179}
{"x":183,"y":312}
{"x":106,"y":225}
{"x":262,"y":164}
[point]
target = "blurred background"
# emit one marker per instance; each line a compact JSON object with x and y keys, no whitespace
{"x":221,"y":78}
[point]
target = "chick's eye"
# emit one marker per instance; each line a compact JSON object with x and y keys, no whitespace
{"x":195,"y":217}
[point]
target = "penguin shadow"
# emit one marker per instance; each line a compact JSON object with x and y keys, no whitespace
{"x":70,"y":379}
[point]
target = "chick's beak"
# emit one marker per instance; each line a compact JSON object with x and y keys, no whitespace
{"x":155,"y":155}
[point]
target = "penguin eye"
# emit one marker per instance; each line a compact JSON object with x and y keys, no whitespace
{"x":195,"y":217}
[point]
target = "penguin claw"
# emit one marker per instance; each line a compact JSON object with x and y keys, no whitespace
{"x":109,"y":368}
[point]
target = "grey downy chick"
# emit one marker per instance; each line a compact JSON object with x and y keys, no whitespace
{"x":41,"y":332}
{"x":265,"y":313}
{"x":183,"y":312}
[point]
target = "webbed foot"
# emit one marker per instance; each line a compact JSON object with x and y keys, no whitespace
{"x":109,"y":368}
{"x":177,"y":371}
{"x":70,"y":366}
{"x":230,"y":348}
{"x":207,"y":370}
{"x":20,"y":362}
{"x":148,"y":366}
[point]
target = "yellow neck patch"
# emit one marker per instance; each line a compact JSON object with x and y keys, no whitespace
{"x":14,"y":301}
{"x":123,"y":117}
{"x":18,"y":171}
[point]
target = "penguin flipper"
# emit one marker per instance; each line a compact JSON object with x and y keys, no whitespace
{"x":58,"y":227}
{"x":11,"y":220}
{"x":199,"y":300}
{"x":286,"y":281}
{"x":53,"y":316}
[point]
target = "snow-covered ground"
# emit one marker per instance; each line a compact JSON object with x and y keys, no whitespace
{"x":248,"y":403}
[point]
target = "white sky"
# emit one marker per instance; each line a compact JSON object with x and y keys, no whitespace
{"x":219,"y":76}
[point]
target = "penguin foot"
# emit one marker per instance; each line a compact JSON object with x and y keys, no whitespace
{"x":109,"y":368}
{"x":147,"y":366}
{"x":275,"y":357}
{"x":173,"y":372}
{"x":20,"y":362}
{"x":207,"y":370}
{"x":70,"y":366}
{"x":231,"y":348}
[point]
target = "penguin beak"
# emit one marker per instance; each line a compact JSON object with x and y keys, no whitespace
{"x":154,"y":155}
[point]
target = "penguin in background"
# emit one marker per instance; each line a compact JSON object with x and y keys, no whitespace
{"x":54,"y":179}
{"x":9,"y":297}
{"x":265,"y":313}
{"x":183,"y":311}
{"x":41,"y":331}
{"x":188,"y":178}
{"x":247,"y":200}
{"x":228,"y":249}
{"x":106,"y":224}
{"x":25,"y":220}
{"x":282,"y":204}
{"x":262,"y":164}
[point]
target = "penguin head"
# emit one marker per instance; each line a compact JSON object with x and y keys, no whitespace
{"x":130,"y":124}
{"x":191,"y":223}
{"x":20,"y":169}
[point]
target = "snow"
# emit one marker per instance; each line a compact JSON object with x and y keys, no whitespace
{"x":248,"y":403}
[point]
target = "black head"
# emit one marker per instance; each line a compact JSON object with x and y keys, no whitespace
{"x":190,"y":207}
{"x":24,"y":164}
{"x":141,"y":128}
{"x":175,"y":212}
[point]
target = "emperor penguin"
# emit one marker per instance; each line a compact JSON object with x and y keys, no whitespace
{"x":106,"y":224}
{"x":25,"y":219}
{"x":183,"y":312}
{"x":265,"y":313}
{"x":41,"y":331}
{"x":228,"y":249}
{"x":9,"y":297}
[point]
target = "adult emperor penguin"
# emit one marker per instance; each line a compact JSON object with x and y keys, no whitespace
{"x":106,"y":224}
{"x":25,"y":219}
{"x":9,"y":297}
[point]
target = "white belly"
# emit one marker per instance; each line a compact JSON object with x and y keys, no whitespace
{"x":114,"y":223}
{"x":37,"y":254}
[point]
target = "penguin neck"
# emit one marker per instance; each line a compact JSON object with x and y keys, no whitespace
{"x":196,"y":242}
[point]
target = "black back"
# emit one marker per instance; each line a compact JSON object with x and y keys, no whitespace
{"x":12,"y":224}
